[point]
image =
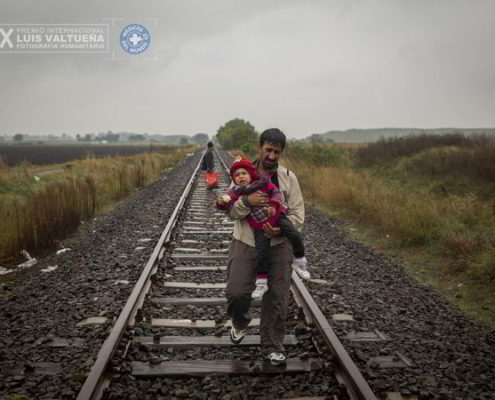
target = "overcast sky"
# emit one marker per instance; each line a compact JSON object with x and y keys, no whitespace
{"x":304,"y":66}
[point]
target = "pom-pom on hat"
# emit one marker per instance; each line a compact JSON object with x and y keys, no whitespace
{"x":243,"y":163}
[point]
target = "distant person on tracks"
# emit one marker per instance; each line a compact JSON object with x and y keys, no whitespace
{"x":241,"y":269}
{"x":208,"y":160}
{"x":247,"y":181}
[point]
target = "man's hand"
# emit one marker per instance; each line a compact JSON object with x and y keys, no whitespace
{"x":270,"y":231}
{"x":258,"y":199}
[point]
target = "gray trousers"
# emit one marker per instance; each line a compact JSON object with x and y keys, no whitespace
{"x":241,"y":276}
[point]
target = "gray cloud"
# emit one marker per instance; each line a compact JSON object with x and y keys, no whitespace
{"x":302,"y":66}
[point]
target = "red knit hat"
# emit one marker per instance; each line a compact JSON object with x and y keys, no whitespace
{"x":243,"y":163}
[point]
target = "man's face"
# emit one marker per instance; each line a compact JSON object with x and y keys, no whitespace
{"x":269,"y":155}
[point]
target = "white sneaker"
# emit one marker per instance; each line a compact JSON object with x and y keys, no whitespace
{"x":261,"y":289}
{"x":300,"y":266}
{"x":276,"y":358}
{"x":236,"y":335}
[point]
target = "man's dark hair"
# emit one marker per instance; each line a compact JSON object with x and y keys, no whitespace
{"x":210,"y":144}
{"x":273,"y":135}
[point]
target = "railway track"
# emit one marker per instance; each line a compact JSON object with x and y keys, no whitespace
{"x":171,"y":338}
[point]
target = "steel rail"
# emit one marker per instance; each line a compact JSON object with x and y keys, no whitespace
{"x":94,"y":384}
{"x":354,"y":381}
{"x":227,"y":169}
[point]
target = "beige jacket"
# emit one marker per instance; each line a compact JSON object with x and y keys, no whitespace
{"x":289,"y":186}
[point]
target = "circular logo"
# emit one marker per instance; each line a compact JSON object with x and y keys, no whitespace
{"x":135,"y":38}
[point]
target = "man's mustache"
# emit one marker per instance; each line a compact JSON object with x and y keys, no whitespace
{"x":272,"y":164}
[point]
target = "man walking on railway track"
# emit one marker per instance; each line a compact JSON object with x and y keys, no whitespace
{"x":208,"y":159}
{"x":241,"y":267}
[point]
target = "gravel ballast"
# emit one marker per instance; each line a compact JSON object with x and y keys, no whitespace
{"x":451,"y":357}
{"x":93,"y":279}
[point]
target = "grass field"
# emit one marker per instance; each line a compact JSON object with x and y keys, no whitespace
{"x":429,"y":200}
{"x":43,"y":154}
{"x":40,"y":206}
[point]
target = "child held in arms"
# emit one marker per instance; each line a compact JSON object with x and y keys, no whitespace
{"x":246,"y":181}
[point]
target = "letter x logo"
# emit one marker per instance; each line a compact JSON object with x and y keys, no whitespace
{"x":6,"y":38}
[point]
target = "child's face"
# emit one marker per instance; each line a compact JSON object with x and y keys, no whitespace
{"x":242,"y":177}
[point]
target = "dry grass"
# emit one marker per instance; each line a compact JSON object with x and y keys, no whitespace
{"x":387,"y":150}
{"x":474,"y":162}
{"x":458,"y":227}
{"x":37,"y":211}
{"x":428,"y":200}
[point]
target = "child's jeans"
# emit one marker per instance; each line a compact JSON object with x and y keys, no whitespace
{"x":291,"y":233}
{"x":263,"y":244}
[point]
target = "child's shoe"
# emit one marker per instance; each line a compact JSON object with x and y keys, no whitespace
{"x":261,"y":288}
{"x":300,"y":266}
{"x":276,"y":358}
